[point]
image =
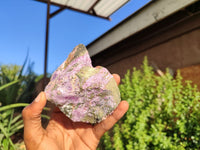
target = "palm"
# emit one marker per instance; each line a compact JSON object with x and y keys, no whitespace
{"x":66,"y":134}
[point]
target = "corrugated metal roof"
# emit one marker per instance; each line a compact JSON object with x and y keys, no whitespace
{"x":107,"y":7}
{"x":99,"y":8}
{"x":76,"y":4}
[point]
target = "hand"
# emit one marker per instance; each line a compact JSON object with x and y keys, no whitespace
{"x":61,"y":133}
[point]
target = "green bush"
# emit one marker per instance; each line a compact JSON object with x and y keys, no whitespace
{"x":16,"y":88}
{"x":164,"y":113}
{"x":23,"y":89}
{"x":9,"y":124}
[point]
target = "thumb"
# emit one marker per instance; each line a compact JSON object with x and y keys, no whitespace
{"x":32,"y":117}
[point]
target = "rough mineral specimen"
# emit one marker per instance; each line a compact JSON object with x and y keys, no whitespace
{"x":83,"y":93}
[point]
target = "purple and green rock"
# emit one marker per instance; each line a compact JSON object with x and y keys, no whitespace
{"x":83,"y":93}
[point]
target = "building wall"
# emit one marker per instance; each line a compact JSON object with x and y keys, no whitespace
{"x":172,"y":43}
{"x":178,"y":52}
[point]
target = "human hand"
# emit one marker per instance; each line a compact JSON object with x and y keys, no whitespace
{"x":62,"y":133}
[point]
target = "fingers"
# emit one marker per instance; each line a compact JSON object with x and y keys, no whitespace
{"x":56,"y":110}
{"x":109,"y":122}
{"x":32,"y":116}
{"x":117,"y":78}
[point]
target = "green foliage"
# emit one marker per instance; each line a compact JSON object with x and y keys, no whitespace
{"x":164,"y":113}
{"x":16,"y":87}
{"x":9,"y":125}
{"x":21,"y":86}
{"x":10,"y":122}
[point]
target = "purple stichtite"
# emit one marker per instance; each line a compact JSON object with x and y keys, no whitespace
{"x":83,"y":93}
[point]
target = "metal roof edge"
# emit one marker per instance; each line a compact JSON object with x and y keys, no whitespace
{"x":151,"y":13}
{"x":117,"y":25}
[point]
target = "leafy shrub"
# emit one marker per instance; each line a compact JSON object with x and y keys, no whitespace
{"x":164,"y":113}
{"x":9,"y":125}
{"x":15,"y":89}
{"x":23,"y":89}
{"x":11,"y":122}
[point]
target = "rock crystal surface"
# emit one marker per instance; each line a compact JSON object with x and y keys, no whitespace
{"x":83,"y":93}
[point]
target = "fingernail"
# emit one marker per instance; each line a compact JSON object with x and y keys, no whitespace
{"x":37,"y":99}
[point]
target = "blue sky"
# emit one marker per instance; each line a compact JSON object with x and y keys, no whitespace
{"x":23,"y":25}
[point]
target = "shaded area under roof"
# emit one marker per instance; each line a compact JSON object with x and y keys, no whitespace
{"x":98,"y":8}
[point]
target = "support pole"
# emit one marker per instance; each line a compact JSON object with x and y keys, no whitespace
{"x":46,"y":45}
